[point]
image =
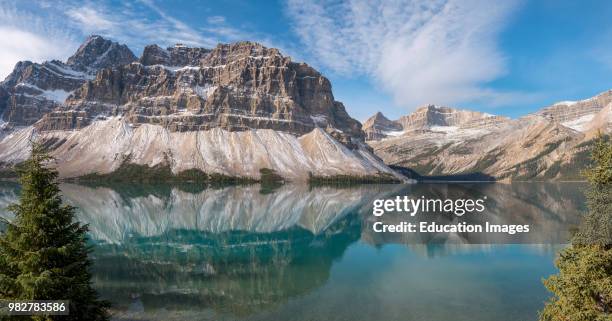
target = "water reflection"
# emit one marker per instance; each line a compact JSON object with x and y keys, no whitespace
{"x":240,"y":253}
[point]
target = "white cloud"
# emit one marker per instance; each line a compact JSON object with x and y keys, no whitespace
{"x":136,"y":23}
{"x":90,"y":20}
{"x":26,"y":37}
{"x":44,"y":30}
{"x":442,"y":52}
{"x":215,"y":20}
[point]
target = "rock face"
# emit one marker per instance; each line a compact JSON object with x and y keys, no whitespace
{"x":178,"y":55}
{"x":427,"y":118}
{"x":105,"y":145}
{"x":378,"y":127}
{"x":233,"y":109}
{"x":552,"y":143}
{"x":432,"y":115}
{"x":33,"y":90}
{"x":236,"y":87}
{"x":566,"y":111}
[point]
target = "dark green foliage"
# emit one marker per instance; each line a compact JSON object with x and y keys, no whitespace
{"x":381,"y":178}
{"x":583,"y":288}
{"x":269,"y":176}
{"x":601,"y":173}
{"x":582,"y":159}
{"x":270,"y":180}
{"x":129,"y":172}
{"x":43,"y":253}
{"x":221,"y":179}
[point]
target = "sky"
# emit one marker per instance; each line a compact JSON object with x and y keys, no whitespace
{"x":508,"y":57}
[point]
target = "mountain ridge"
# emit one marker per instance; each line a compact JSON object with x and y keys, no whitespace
{"x":233,"y":110}
{"x":238,"y":108}
{"x":551,"y":143}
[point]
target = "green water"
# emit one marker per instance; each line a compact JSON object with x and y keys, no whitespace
{"x":301,"y":253}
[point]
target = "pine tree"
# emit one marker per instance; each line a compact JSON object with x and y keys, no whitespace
{"x":583,"y":288}
{"x":43,"y":252}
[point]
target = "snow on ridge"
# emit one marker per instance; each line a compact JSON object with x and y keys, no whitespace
{"x":64,"y":71}
{"x":572,"y":102}
{"x":175,"y":69}
{"x":445,"y":129}
{"x":566,"y":103}
{"x":394,"y":133}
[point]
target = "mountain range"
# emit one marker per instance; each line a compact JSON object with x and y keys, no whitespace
{"x":552,"y":143}
{"x":240,"y":108}
{"x":232,"y":110}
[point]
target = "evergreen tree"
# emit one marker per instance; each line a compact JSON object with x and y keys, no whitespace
{"x":43,"y":253}
{"x":583,"y":288}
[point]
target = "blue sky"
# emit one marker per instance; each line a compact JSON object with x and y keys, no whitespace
{"x":507,"y":57}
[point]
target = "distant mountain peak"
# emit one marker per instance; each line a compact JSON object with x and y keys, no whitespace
{"x":35,"y":89}
{"x":378,"y":126}
{"x":379,"y":116}
{"x":96,"y":53}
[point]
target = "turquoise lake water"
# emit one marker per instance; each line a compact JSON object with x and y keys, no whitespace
{"x":309,"y":253}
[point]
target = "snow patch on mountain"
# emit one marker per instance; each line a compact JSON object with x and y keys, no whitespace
{"x":566,"y":103}
{"x":62,"y":70}
{"x":57,"y":95}
{"x":580,"y":124}
{"x":445,"y":129}
{"x":395,"y":133}
{"x":205,"y":91}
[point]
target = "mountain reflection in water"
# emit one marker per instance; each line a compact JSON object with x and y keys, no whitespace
{"x":243,"y":253}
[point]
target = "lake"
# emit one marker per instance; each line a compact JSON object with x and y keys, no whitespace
{"x":309,"y":253}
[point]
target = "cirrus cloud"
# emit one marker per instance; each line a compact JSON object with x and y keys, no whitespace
{"x":28,"y":37}
{"x":442,"y":52}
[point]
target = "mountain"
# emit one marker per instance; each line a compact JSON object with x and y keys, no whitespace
{"x":379,"y":126}
{"x":233,"y":110}
{"x":34,"y":89}
{"x":430,"y":117}
{"x":552,"y":143}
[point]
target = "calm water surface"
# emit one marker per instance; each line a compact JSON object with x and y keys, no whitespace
{"x":300,"y":253}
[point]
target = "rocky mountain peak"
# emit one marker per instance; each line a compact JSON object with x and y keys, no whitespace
{"x":428,"y":117}
{"x":97,"y":53}
{"x":379,"y":126}
{"x":236,"y":87}
{"x":378,"y":117}
{"x":34,"y":89}
{"x":232,"y":110}
{"x":434,"y":115}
